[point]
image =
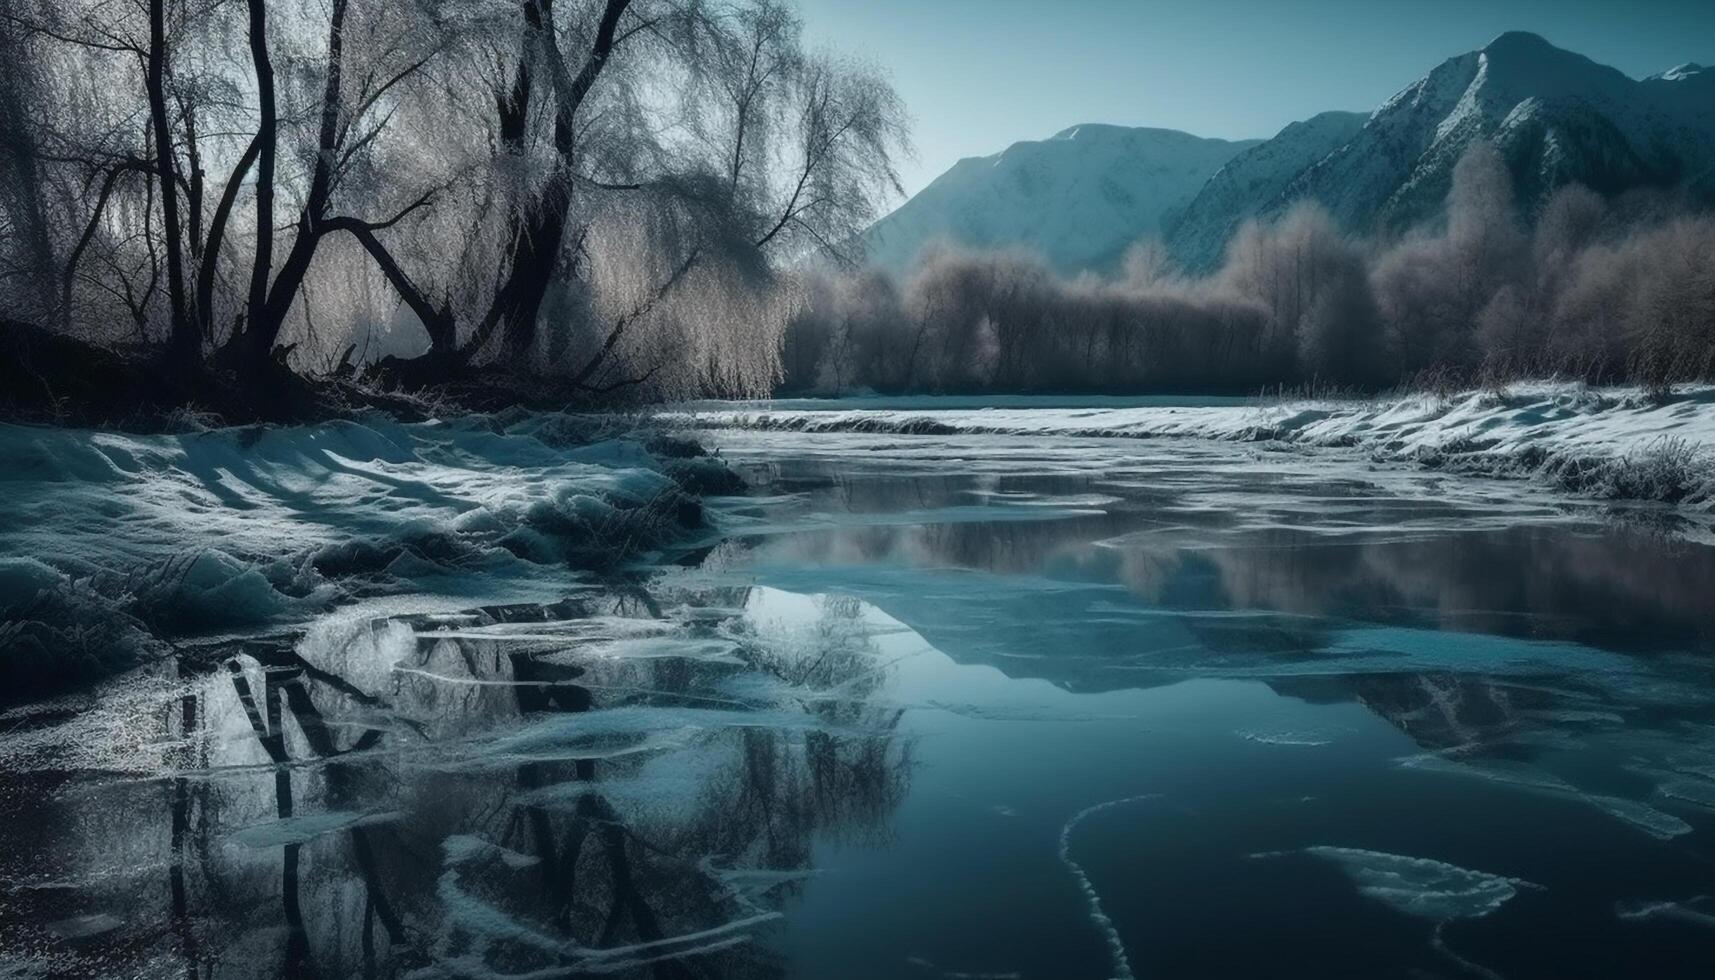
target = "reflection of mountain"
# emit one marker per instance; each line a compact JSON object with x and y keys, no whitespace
{"x":593,"y":786}
{"x":1439,"y":711}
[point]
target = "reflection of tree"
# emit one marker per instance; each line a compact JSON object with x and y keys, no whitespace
{"x":285,"y":684}
{"x":618,"y":875}
{"x":1026,"y":534}
{"x":191,"y":754}
{"x":1619,"y":588}
{"x":622,"y":849}
{"x":764,"y":812}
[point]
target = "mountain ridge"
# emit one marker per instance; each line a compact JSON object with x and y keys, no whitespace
{"x":1546,"y":108}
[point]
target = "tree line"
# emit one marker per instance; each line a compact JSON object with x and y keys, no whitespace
{"x":607,"y":193}
{"x":1607,"y":290}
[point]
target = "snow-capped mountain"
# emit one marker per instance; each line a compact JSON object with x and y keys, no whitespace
{"x":1080,"y":198}
{"x":1084,"y":195}
{"x":1556,"y":117}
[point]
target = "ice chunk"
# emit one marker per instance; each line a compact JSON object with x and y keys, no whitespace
{"x":1422,"y":887}
{"x":1699,"y":911}
{"x":22,"y":579}
{"x":1303,"y":739}
{"x":468,"y":849}
{"x":1648,"y":819}
{"x":302,"y":829}
{"x":513,"y":751}
{"x":85,"y":926}
{"x":488,"y":924}
{"x":1640,"y":815}
{"x":1505,"y":773}
{"x":747,"y":886}
{"x":1688,"y":790}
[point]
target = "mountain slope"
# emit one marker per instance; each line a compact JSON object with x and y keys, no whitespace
{"x":1080,"y":198}
{"x":1252,"y":181}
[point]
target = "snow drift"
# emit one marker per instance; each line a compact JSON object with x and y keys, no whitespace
{"x":111,"y":541}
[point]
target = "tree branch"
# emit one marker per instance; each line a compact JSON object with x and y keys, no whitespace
{"x":35,"y":27}
{"x":640,"y":310}
{"x":217,"y":234}
{"x":83,"y":240}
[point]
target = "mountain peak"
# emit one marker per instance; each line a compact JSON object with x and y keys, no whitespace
{"x":1519,"y":42}
{"x":1087,"y":130}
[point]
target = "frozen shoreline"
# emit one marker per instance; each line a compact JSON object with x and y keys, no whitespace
{"x":1607,"y":443}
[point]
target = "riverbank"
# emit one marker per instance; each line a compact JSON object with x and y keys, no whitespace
{"x":1614,"y":444}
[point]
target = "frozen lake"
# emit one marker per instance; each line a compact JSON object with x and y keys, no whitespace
{"x":928,"y":702}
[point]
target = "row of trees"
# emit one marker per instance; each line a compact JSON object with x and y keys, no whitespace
{"x":600,"y":190}
{"x":1597,"y":289}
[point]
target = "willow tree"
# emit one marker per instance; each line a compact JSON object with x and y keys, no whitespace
{"x":656,"y":164}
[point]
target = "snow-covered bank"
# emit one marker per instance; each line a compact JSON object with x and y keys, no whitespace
{"x":111,"y":542}
{"x":1610,"y":443}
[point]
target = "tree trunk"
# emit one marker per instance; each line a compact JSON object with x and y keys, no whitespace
{"x":267,"y":144}
{"x":533,"y":264}
{"x":255,"y":346}
{"x":217,"y":235}
{"x":184,"y":346}
{"x":537,"y":231}
{"x":542,"y":232}
{"x":20,"y":177}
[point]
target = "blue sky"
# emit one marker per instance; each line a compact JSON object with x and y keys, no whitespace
{"x":981,"y":74}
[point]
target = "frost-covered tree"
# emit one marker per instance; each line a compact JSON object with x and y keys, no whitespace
{"x":602,"y":190}
{"x":1311,"y":279}
{"x":1433,"y":287}
{"x":1670,"y":322}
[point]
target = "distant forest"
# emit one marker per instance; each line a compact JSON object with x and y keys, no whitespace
{"x":1619,"y":290}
